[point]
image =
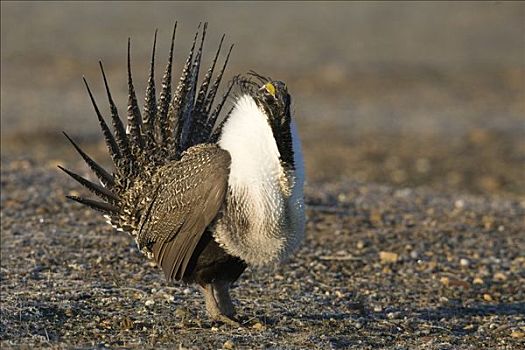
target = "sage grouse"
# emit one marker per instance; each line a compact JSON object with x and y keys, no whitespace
{"x":203,"y":196}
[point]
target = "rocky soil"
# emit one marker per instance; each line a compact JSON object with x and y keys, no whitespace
{"x":381,"y":268}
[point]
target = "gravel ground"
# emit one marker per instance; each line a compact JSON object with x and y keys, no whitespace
{"x":380,"y":268}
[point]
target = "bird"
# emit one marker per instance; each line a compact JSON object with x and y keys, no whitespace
{"x":204,"y":193}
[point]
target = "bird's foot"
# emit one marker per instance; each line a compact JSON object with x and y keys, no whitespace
{"x":219,"y":304}
{"x":230,"y":321}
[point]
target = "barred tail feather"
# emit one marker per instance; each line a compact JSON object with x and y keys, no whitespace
{"x":100,"y":172}
{"x":169,"y":125}
{"x":150,"y":103}
{"x":134,"y":117}
{"x":199,"y":131}
{"x":113,"y":148}
{"x":177,"y":104}
{"x":98,"y":190}
{"x":188,"y":116}
{"x":165,"y":98}
{"x":120,"y":132}
{"x":103,"y":207}
{"x":213,"y":117}
{"x":203,"y":91}
{"x":215,"y":87}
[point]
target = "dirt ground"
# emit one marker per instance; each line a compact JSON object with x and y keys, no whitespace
{"x":413,"y":133}
{"x":380,"y":268}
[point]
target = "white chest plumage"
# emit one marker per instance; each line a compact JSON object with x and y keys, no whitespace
{"x":269,"y":199}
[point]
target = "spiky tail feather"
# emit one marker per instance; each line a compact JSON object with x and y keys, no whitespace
{"x":167,"y":127}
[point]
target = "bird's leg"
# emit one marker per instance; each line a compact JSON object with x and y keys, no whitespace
{"x":211,"y":304}
{"x":219,"y":303}
{"x":221,"y":291}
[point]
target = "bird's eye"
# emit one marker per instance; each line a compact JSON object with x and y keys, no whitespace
{"x":270,"y":88}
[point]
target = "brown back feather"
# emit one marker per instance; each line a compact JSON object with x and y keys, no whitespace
{"x":185,"y":206}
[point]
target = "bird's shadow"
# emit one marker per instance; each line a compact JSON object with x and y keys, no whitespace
{"x":424,"y":314}
{"x":448,"y":312}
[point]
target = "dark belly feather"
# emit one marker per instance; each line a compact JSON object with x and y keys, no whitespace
{"x":210,"y":263}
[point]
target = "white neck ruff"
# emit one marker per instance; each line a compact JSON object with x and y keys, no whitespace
{"x":272,"y":199}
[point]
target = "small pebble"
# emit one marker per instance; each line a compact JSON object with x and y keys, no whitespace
{"x":149,"y":302}
{"x":459,"y":204}
{"x":391,"y":315}
{"x":228,"y":345}
{"x":180,"y":312}
{"x":388,"y":257}
{"x":454,"y":282}
{"x":464,"y":262}
{"x":499,"y":277}
{"x":517,"y":335}
{"x":258,"y":326}
{"x":478,"y":280}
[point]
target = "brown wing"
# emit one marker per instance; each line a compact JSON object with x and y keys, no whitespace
{"x":189,"y":194}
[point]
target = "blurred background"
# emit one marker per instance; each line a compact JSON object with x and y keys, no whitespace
{"x":409,"y":94}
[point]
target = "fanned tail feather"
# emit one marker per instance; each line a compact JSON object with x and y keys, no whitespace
{"x":165,"y":98}
{"x":168,"y":126}
{"x":103,"y":207}
{"x":175,"y":112}
{"x":208,"y":102}
{"x":120,"y":132}
{"x":189,"y":118}
{"x":203,"y":91}
{"x":113,"y":148}
{"x":98,"y":190}
{"x":104,"y":177}
{"x":150,"y":104}
{"x":201,"y":130}
{"x":214,"y":136}
{"x":134,"y":117}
